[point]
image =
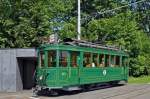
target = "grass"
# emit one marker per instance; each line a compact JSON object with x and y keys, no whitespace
{"x":139,"y":80}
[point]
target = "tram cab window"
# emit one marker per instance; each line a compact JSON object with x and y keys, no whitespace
{"x":52,"y":58}
{"x":41,"y":59}
{"x":73,"y":59}
{"x":117,"y":61}
{"x":87,"y":60}
{"x":107,"y":60}
{"x":101,"y":60}
{"x":95,"y":60}
{"x":63,"y":58}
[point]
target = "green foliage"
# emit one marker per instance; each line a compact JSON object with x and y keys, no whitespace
{"x":28,"y":20}
{"x":123,"y":30}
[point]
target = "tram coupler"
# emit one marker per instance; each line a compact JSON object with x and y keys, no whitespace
{"x":35,"y":91}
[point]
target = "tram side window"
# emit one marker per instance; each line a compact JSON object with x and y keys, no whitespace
{"x":112,"y":61}
{"x":73,"y":59}
{"x":101,"y":60}
{"x":51,"y":58}
{"x":63,"y":58}
{"x":124,"y":61}
{"x":95,"y":60}
{"x":117,"y":61}
{"x":87,"y":59}
{"x":107,"y":60}
{"x":41,"y":59}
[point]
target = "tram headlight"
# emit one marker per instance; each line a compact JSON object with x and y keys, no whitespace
{"x":41,"y":77}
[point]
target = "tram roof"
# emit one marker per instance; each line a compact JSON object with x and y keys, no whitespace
{"x":63,"y":46}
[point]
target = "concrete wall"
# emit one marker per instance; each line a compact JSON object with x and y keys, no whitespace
{"x":19,"y":70}
{"x":10,"y":76}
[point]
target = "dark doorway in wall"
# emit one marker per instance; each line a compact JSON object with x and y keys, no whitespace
{"x":27,"y":68}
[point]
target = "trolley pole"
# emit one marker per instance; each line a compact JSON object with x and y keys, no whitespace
{"x":79,"y":21}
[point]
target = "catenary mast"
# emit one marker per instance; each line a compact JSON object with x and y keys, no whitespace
{"x":79,"y":21}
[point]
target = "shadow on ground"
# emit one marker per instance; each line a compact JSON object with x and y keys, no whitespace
{"x":63,"y":93}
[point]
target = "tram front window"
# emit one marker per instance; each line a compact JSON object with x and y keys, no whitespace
{"x":41,"y":59}
{"x":52,"y":58}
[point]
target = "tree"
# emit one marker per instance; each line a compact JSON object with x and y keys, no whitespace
{"x":28,"y":20}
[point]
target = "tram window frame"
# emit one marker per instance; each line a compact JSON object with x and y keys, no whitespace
{"x":74,"y":62}
{"x":52,"y":62}
{"x":95,"y":58}
{"x":41,"y":59}
{"x":88,"y":60}
{"x":65,"y":62}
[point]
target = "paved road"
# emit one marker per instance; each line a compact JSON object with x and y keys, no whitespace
{"x":118,"y":92}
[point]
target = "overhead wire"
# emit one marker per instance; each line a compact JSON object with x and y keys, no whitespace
{"x":94,"y":15}
{"x":117,"y":8}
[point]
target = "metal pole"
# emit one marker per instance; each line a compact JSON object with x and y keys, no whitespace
{"x":79,"y":19}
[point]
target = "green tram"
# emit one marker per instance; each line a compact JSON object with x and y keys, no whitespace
{"x":69,"y":66}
